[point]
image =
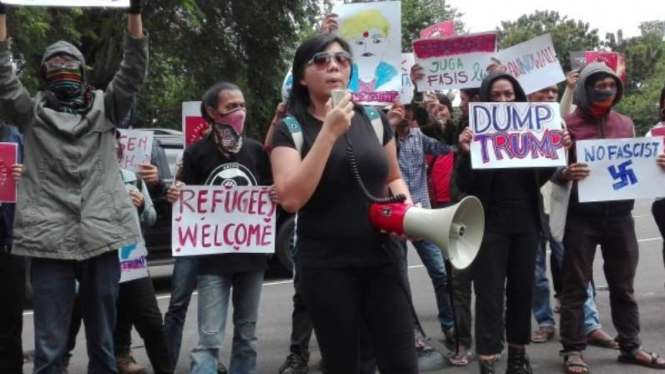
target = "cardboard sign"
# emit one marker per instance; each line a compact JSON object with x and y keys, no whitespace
{"x":406,"y":95}
{"x":136,"y":148}
{"x":215,"y":219}
{"x":440,"y":30}
{"x":8,"y":157}
{"x":516,"y":135}
{"x":534,"y":63}
{"x":374,"y":31}
{"x":457,"y":62}
{"x":193,"y":125}
{"x":71,"y":3}
{"x":621,"y":169}
{"x":133,"y":263}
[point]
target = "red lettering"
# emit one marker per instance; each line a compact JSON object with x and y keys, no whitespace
{"x":218,"y":240}
{"x":216,"y":199}
{"x":201,"y":201}
{"x":264,"y":198}
{"x":241,"y":235}
{"x":205,"y":235}
{"x":143,"y":143}
{"x":267,"y":234}
{"x":242,"y":201}
{"x":252,"y":201}
{"x":227,"y":239}
{"x":185,"y":197}
{"x":254,"y":231}
{"x":131,"y":145}
{"x":188,"y":236}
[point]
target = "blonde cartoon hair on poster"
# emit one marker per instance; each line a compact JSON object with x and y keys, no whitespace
{"x":374,"y":32}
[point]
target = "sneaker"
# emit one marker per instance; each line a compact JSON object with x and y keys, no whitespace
{"x":294,"y":364}
{"x":127,"y":365}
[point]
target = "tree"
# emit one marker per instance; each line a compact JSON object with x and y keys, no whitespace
{"x":567,"y":35}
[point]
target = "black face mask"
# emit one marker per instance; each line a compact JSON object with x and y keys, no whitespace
{"x":599,"y":96}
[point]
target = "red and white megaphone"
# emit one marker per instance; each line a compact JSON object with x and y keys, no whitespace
{"x":457,"y":230}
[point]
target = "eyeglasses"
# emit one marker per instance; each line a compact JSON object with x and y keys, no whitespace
{"x":322,"y":59}
{"x":55,"y":65}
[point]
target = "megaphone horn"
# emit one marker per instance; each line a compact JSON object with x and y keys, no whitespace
{"x":457,"y":230}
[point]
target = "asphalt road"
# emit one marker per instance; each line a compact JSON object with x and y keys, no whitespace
{"x":275,"y":317}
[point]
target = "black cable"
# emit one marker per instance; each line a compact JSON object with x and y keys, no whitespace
{"x":353,"y":164}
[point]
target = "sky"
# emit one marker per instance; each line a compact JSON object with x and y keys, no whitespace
{"x":485,"y":15}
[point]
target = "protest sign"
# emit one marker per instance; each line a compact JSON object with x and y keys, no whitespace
{"x":71,"y":3}
{"x":457,"y":62}
{"x":193,"y":125}
{"x":440,"y":30}
{"x":613,"y":60}
{"x":621,"y":169}
{"x":8,"y":157}
{"x":216,"y":219}
{"x":534,"y":63}
{"x":516,"y":135}
{"x":406,"y":95}
{"x":133,"y":263}
{"x":136,"y":148}
{"x":374,"y":31}
{"x":577,"y":60}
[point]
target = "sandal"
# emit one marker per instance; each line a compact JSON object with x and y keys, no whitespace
{"x":628,"y":358}
{"x":602,"y":341}
{"x":460,"y":358}
{"x":543,"y":334}
{"x":569,"y":363}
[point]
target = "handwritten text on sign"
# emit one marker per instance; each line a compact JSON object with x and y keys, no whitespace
{"x":534,"y":63}
{"x":215,"y":219}
{"x":621,"y":169}
{"x":133,"y":263}
{"x":457,"y":62}
{"x":514,"y":135}
{"x":8,"y":157}
{"x":136,"y":148}
{"x":71,"y":3}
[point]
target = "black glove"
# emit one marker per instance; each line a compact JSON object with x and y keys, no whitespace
{"x":135,"y":7}
{"x":3,"y":8}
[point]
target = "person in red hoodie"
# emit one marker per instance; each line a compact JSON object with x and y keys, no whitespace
{"x":608,"y":224}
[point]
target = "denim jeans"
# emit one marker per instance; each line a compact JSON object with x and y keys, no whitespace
{"x":54,"y":287}
{"x":432,"y":258}
{"x":214,"y":294}
{"x":185,"y":272}
{"x":542,"y":307}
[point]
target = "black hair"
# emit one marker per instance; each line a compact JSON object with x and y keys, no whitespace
{"x":211,"y":97}
{"x":299,"y":101}
{"x":662,"y":106}
{"x":445,"y":100}
{"x":471,"y":92}
{"x":488,"y":82}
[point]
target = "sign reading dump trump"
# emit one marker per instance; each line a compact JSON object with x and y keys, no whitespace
{"x":621,"y":169}
{"x":215,"y":219}
{"x":516,"y":135}
{"x":71,"y":3}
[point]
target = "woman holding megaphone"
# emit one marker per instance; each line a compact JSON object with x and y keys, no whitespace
{"x":506,"y":262}
{"x":348,"y":279}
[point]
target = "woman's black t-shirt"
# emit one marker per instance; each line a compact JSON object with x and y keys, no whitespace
{"x":333,"y":228}
{"x":204,"y":165}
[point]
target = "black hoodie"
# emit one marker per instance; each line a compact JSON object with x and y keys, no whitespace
{"x":483,"y":183}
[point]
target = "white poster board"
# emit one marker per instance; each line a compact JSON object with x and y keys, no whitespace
{"x":374,"y":31}
{"x":133,"y":263}
{"x":621,"y":169}
{"x":454,"y":63}
{"x":516,"y":135}
{"x":71,"y":3}
{"x":406,"y":94}
{"x":534,"y":63}
{"x":136,"y":148}
{"x":214,"y":219}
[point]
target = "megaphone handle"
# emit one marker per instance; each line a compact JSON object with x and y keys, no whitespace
{"x":451,"y":292}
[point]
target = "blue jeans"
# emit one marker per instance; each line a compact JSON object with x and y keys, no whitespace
{"x":542,"y":308}
{"x":54,"y":287}
{"x":214,"y":294}
{"x":432,"y":258}
{"x":185,"y":271}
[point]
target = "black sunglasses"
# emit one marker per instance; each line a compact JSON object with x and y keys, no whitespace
{"x":322,"y":59}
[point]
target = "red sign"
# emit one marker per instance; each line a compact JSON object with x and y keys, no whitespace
{"x":613,"y":60}
{"x":440,"y":30}
{"x":8,"y":157}
{"x":195,"y":129}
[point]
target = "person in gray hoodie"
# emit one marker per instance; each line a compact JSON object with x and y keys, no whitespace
{"x":73,"y":210}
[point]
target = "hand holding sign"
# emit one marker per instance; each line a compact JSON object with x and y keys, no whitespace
{"x":576,"y":172}
{"x":330,"y":23}
{"x":465,"y":140}
{"x":174,"y":192}
{"x":661,"y":161}
{"x":149,"y":173}
{"x":17,"y":171}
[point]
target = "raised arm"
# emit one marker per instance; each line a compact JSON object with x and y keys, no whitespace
{"x":127,"y":82}
{"x":15,"y":101}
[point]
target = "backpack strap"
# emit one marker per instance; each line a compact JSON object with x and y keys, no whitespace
{"x":296,"y":132}
{"x":377,"y":124}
